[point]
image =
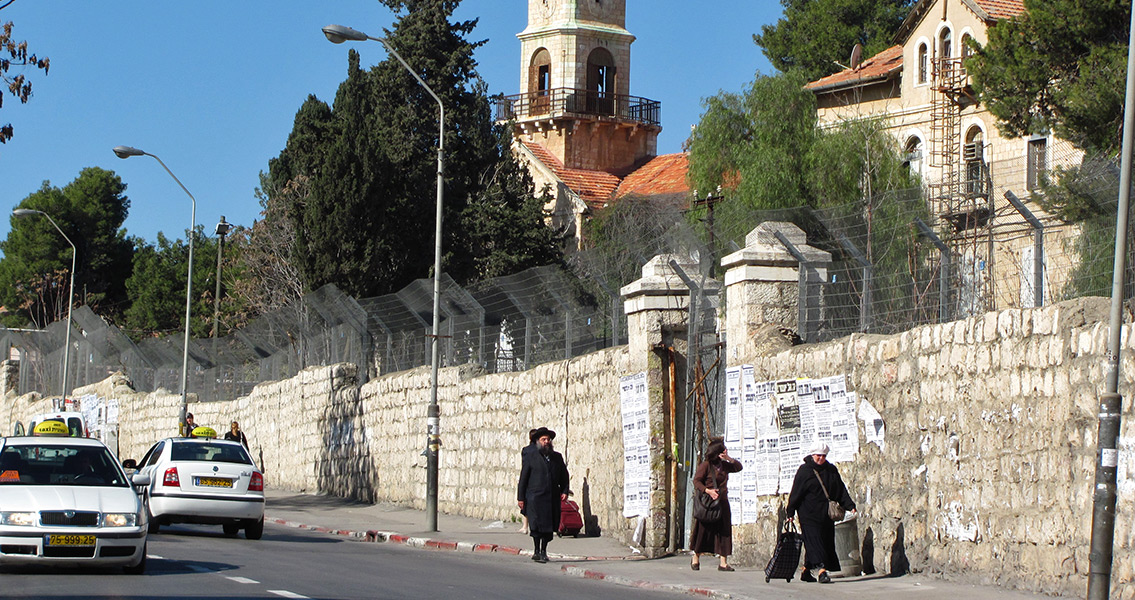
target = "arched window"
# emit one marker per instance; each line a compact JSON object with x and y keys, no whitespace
{"x":945,"y":43}
{"x":923,"y":63}
{"x":973,"y":153}
{"x":600,"y":81}
{"x":967,"y":45}
{"x":912,"y":155}
{"x":540,"y":80}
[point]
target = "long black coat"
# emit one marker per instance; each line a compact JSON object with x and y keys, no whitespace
{"x":543,"y":479}
{"x":808,"y":500}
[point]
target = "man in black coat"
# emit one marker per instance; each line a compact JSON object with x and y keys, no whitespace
{"x":543,"y":486}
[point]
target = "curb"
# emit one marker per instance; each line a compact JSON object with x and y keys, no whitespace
{"x":645,"y":585}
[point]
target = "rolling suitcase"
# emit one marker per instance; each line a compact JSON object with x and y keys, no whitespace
{"x":570,"y":520}
{"x":786,"y":556}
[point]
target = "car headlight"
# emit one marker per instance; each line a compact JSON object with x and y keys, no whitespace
{"x":119,"y":519}
{"x":17,"y":518}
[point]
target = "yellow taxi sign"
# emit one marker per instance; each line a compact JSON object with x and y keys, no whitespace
{"x":48,"y":428}
{"x":204,"y":432}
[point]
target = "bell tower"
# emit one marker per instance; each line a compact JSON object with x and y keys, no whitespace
{"x":575,"y":87}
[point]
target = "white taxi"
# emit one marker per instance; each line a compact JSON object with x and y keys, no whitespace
{"x":64,"y":501}
{"x":203,"y":480}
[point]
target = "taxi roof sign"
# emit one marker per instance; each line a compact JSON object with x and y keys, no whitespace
{"x":204,"y":432}
{"x":51,"y":428}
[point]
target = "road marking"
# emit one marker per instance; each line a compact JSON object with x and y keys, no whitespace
{"x":155,"y":557}
{"x":242,"y":580}
{"x":286,"y":594}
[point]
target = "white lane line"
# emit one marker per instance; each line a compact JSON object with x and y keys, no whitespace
{"x":155,"y":557}
{"x":286,"y":594}
{"x":241,"y":579}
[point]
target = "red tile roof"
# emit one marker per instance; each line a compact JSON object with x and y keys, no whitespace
{"x":596,"y":188}
{"x":1001,"y":9}
{"x":879,"y":67}
{"x":664,"y":174}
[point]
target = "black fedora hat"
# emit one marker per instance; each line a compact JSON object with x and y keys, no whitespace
{"x":544,"y":431}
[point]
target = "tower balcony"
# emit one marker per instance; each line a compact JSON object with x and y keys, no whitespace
{"x":573,"y":103}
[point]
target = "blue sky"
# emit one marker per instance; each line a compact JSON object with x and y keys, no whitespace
{"x":212,"y":88}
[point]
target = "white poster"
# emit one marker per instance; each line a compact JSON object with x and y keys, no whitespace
{"x":788,"y":421}
{"x":733,"y":416}
{"x":874,"y":430}
{"x":748,"y":457}
{"x":845,"y":433}
{"x":636,"y":444}
{"x":768,"y":440}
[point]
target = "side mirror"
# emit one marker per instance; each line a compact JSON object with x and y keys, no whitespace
{"x":130,"y":463}
{"x":140,"y":480}
{"x":18,"y":431}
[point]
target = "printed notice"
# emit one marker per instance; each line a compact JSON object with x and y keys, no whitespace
{"x":636,"y":444}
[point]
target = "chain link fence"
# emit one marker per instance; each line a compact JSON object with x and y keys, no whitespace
{"x":893,"y":266}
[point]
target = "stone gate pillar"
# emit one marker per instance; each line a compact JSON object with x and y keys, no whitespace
{"x":657,"y":302}
{"x":762,"y":289}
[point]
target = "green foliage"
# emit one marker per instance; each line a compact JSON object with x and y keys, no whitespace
{"x":814,"y":34}
{"x":90,"y":211}
{"x":1060,"y":67}
{"x":366,"y":222}
{"x":18,"y":85}
{"x":157,"y":287}
{"x":754,"y":143}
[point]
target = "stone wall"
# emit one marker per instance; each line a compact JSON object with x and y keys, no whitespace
{"x":988,"y":469}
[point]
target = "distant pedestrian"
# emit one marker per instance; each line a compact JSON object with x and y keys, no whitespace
{"x":816,"y":481}
{"x":234,"y":434}
{"x":531,"y":447}
{"x":543,"y":486}
{"x":190,"y":425}
{"x":712,"y":478}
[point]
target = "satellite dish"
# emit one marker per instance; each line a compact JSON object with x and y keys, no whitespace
{"x":856,"y":56}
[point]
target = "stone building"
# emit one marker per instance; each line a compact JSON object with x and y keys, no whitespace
{"x":920,"y":89}
{"x":586,"y":140}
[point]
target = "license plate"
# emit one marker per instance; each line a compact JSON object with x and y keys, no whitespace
{"x":214,"y":482}
{"x":70,"y":540}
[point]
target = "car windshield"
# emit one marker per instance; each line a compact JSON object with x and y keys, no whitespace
{"x":209,"y":452}
{"x":54,"y":464}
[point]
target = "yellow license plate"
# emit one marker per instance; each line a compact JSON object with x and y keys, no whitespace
{"x":214,"y":482}
{"x":70,"y":540}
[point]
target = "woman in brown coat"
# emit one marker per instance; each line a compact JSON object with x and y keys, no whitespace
{"x":712,"y":478}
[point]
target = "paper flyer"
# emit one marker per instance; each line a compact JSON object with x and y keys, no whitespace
{"x":767,"y":471}
{"x":788,"y":421}
{"x":874,"y":430}
{"x":636,"y":444}
{"x":748,"y":456}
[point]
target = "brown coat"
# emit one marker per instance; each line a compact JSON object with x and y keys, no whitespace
{"x":714,"y":538}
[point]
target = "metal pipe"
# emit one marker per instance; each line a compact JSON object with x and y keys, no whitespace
{"x":1107,"y":439}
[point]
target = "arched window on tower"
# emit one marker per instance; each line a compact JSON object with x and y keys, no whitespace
{"x":977,"y":172}
{"x":600,"y":82}
{"x":945,"y":43}
{"x":540,"y":81}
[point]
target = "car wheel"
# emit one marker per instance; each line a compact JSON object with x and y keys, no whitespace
{"x":231,"y":528}
{"x":139,"y":568}
{"x":253,"y":530}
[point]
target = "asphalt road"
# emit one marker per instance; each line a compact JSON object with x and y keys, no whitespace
{"x":188,"y":561}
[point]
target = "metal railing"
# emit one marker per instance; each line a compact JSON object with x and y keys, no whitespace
{"x":558,"y":102}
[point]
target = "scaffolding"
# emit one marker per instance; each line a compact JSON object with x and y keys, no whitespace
{"x":961,"y":197}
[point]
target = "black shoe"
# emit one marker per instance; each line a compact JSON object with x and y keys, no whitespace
{"x":824,"y":577}
{"x":806,"y":576}
{"x":536,"y":556}
{"x":542,"y":559}
{"x":725,"y":568}
{"x":695,"y":566}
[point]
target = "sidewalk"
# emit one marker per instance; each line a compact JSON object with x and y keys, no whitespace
{"x":599,"y":558}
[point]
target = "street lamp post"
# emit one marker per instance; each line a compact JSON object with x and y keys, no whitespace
{"x":222,"y":230}
{"x":24,"y":212}
{"x":338,"y":34}
{"x":127,"y":152}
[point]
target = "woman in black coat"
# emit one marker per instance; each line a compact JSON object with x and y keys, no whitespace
{"x":808,"y":500}
{"x":712,"y":477}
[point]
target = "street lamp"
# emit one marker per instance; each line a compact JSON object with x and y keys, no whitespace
{"x":222,"y":230}
{"x":127,"y":152}
{"x":338,"y":34}
{"x":25,"y":212}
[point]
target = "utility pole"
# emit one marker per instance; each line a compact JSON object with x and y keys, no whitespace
{"x":221,"y":231}
{"x":709,"y":202}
